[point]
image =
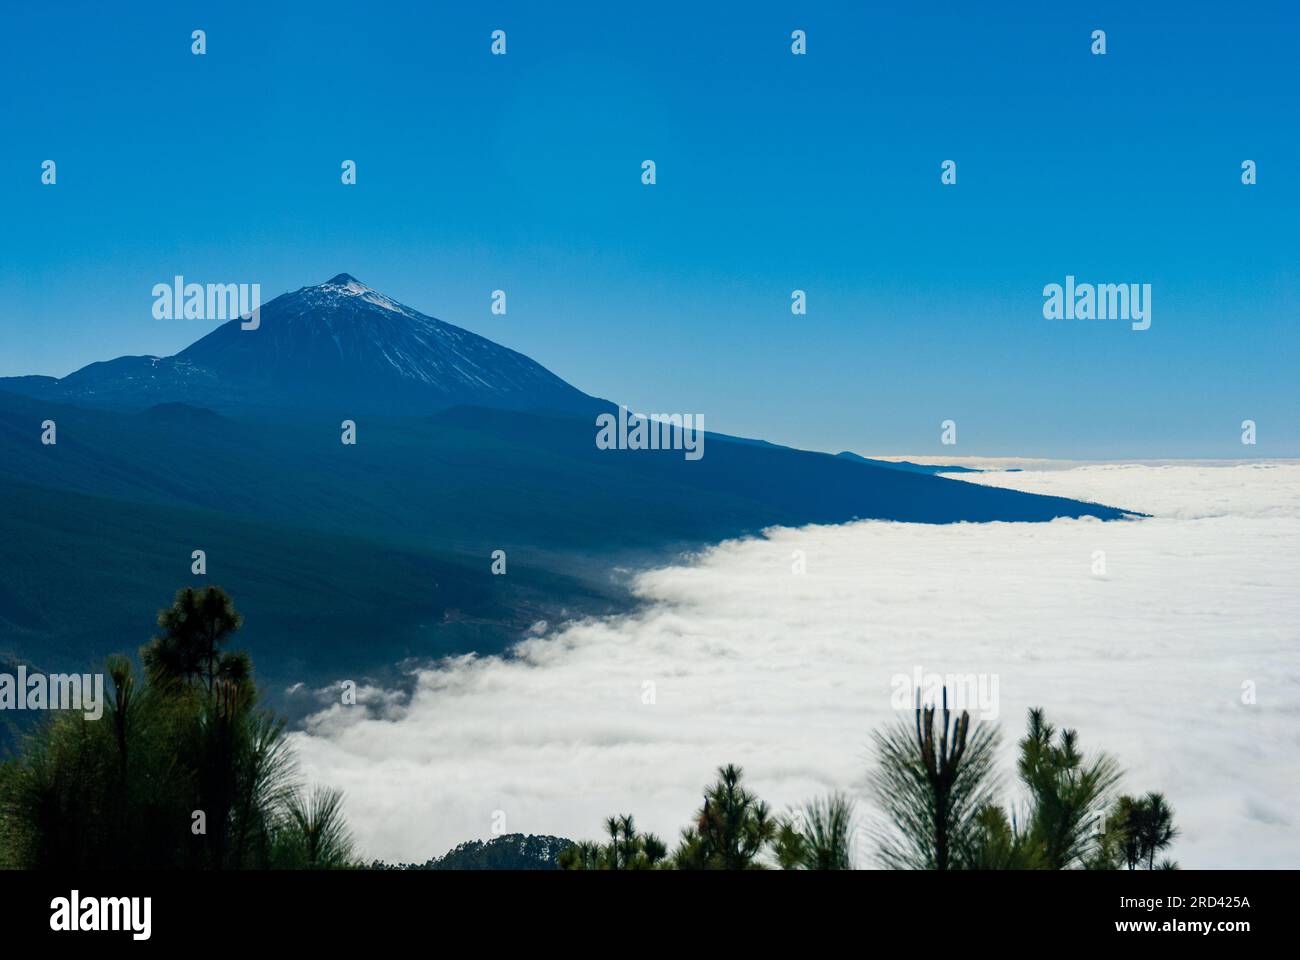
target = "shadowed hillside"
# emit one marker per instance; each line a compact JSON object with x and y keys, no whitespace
{"x":351,"y":557}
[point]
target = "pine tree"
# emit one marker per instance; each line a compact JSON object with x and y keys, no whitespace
{"x":1141,"y":828}
{"x":184,"y":770}
{"x":818,"y":836}
{"x":731,"y":829}
{"x":1068,"y":793}
{"x":931,"y":788}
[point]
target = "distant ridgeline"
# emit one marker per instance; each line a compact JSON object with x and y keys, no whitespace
{"x":513,"y":851}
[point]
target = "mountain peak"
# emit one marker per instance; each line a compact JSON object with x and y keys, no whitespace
{"x":338,"y":343}
{"x":348,"y":288}
{"x":346,"y":283}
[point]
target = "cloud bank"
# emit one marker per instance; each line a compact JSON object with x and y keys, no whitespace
{"x":788,"y":673}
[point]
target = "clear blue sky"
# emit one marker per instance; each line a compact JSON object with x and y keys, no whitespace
{"x":775,"y":172}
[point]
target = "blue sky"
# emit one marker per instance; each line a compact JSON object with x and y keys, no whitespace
{"x":775,"y":172}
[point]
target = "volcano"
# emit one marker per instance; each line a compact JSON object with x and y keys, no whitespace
{"x":337,"y":345}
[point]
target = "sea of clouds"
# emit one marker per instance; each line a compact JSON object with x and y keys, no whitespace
{"x":788,"y":673}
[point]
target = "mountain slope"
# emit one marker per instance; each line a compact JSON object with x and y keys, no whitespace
{"x":347,"y":557}
{"x":908,"y":465}
{"x":478,"y":478}
{"x":83,"y":577}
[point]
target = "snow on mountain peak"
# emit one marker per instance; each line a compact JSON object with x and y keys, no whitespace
{"x":348,"y":285}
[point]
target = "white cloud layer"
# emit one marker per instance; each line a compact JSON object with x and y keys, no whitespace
{"x":788,"y":674}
